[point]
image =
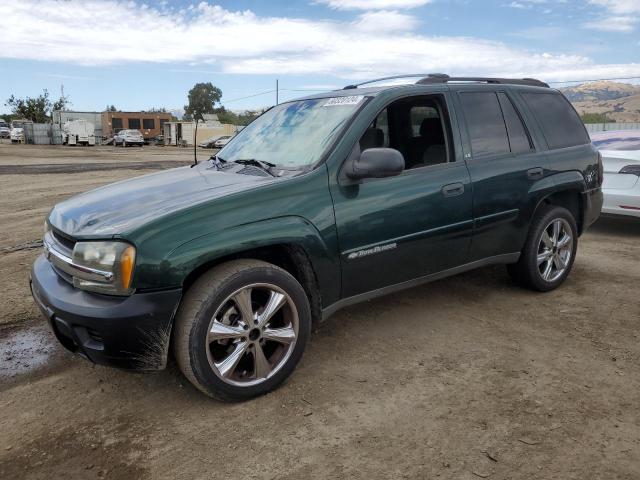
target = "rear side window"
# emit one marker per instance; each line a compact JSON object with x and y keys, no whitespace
{"x":485,"y":123}
{"x":518,"y":136}
{"x":559,"y":122}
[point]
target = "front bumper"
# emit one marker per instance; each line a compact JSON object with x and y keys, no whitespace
{"x":125,"y":332}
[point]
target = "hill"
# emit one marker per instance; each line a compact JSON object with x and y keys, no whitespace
{"x":620,"y":101}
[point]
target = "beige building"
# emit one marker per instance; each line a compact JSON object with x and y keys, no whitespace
{"x":149,"y":124}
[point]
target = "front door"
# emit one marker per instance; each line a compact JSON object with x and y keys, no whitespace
{"x":395,"y":229}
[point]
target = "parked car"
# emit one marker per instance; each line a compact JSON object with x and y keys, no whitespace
{"x":210,"y":142}
{"x":128,"y":137}
{"x":319,"y":203}
{"x":222,"y":141}
{"x":620,"y":152}
{"x":5,"y":132}
{"x":17,"y":135}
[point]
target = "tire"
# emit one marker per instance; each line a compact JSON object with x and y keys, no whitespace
{"x":217,"y":348}
{"x":544,"y":264}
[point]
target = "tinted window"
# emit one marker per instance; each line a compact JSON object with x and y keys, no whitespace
{"x":418,"y":114}
{"x":518,"y":138}
{"x":558,"y":120}
{"x":487,"y":131}
{"x":134,"y":123}
{"x":148,"y":123}
{"x":116,"y":123}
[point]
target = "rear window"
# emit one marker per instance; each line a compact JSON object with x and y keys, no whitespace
{"x":560,"y":124}
{"x":485,"y":123}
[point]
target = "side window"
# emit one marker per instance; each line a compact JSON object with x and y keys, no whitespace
{"x":377,"y":135}
{"x":116,"y":124}
{"x":560,"y":124}
{"x":518,"y":136}
{"x":417,"y":127}
{"x":419,"y":114}
{"x":485,"y":123}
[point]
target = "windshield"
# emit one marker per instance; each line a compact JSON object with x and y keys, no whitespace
{"x":294,"y":134}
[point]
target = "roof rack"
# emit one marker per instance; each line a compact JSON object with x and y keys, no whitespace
{"x":435,"y":78}
{"x":395,"y":77}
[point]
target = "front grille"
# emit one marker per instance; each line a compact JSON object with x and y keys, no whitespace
{"x":63,"y":240}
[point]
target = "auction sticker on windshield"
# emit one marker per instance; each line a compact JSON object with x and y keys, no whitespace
{"x":350,"y":100}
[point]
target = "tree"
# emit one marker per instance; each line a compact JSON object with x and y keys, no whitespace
{"x":62,"y":103}
{"x":36,"y":109}
{"x":111,"y":108}
{"x":588,"y":117}
{"x":244,"y":118}
{"x":202,"y":99}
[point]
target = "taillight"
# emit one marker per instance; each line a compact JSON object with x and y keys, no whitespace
{"x":600,"y":170}
{"x":631,"y":170}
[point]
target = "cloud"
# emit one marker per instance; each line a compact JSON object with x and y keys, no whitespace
{"x":613,"y":24}
{"x":623,"y":15}
{"x":214,"y":39}
{"x":621,"y":7}
{"x":372,"y":4}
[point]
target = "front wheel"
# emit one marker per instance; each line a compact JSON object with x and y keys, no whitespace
{"x":549,"y":251}
{"x":241,"y":329}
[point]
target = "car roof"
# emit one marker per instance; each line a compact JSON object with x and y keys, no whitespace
{"x":427,"y":87}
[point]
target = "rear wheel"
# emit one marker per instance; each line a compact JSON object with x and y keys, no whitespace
{"x":241,"y":329}
{"x":549,"y":251}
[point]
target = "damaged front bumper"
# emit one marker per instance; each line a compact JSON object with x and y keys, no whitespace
{"x":125,"y":332}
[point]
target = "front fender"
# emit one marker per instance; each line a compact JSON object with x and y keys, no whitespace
{"x":289,"y":230}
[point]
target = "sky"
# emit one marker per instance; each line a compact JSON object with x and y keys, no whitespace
{"x":138,"y":55}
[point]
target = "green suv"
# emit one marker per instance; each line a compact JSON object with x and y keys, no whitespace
{"x":319,"y":203}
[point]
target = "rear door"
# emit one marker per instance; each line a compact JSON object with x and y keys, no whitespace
{"x":504,"y":166}
{"x":396,"y":229}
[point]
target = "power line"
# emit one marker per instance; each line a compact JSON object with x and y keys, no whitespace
{"x":249,"y":96}
{"x":558,"y":82}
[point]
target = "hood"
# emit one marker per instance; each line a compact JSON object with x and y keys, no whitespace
{"x":123,"y":206}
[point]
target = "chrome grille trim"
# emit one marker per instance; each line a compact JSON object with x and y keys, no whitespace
{"x":64,"y":262}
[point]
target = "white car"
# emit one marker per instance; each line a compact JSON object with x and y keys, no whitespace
{"x":17,"y":135}
{"x":222,"y":141}
{"x":620,"y":152}
{"x":5,"y":132}
{"x":128,"y":137}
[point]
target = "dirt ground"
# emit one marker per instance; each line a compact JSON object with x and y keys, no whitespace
{"x":469,"y":377}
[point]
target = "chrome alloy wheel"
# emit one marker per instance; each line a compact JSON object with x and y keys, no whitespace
{"x":252,"y":334}
{"x":554,"y":250}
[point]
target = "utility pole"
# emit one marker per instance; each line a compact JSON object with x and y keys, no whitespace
{"x":277,"y":91}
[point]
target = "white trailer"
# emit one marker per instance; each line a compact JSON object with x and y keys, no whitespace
{"x":78,"y":132}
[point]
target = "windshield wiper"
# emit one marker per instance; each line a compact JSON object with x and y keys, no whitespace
{"x":263,"y":165}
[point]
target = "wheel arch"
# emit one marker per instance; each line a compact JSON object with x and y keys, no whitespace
{"x":291,"y":257}
{"x":292,"y":243}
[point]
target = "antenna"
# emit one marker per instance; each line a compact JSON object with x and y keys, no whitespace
{"x":195,"y":142}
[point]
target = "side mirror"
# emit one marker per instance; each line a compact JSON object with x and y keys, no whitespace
{"x":376,"y":163}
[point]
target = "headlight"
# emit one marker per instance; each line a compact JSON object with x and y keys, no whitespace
{"x":109,"y":267}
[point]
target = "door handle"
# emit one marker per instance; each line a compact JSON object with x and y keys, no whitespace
{"x":453,"y":189}
{"x":535,"y":173}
